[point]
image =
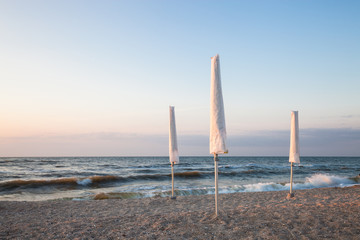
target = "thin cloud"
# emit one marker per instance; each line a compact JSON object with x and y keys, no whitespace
{"x":323,"y":142}
{"x":350,"y":116}
{"x":313,"y":142}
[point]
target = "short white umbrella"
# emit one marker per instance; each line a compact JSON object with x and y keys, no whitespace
{"x":294,"y":154}
{"x":173,"y":147}
{"x":217,"y":120}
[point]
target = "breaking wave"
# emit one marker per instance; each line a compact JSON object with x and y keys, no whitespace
{"x":315,"y":181}
{"x":91,"y":181}
{"x":71,"y":181}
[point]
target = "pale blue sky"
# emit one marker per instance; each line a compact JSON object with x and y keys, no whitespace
{"x":97,"y":77}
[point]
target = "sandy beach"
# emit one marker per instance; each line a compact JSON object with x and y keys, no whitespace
{"x":328,"y":213}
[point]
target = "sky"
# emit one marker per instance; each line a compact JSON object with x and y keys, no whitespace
{"x":96,"y":78}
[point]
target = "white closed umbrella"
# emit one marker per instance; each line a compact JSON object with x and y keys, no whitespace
{"x":294,"y":153}
{"x":217,"y":120}
{"x":173,"y":147}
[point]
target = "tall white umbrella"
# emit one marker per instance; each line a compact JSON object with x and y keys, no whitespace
{"x":294,"y":154}
{"x":217,"y":120}
{"x":173,"y":147}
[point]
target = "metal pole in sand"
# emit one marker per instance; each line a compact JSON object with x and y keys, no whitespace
{"x":291,"y":178}
{"x":216,"y":183}
{"x":172,"y":181}
{"x":291,"y":194}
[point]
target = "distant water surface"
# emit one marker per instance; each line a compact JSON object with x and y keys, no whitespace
{"x":77,"y":178}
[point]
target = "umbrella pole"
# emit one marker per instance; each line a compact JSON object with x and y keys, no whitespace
{"x":216,"y":183}
{"x":172,"y":181}
{"x":291,"y":178}
{"x":291,"y":194}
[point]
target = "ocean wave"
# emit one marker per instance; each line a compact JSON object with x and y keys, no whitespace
{"x":153,"y":166}
{"x":71,"y":181}
{"x":165,"y":193}
{"x":252,"y":166}
{"x":121,"y":195}
{"x":84,"y":182}
{"x":324,"y":180}
{"x":188,"y":174}
{"x":314,"y":181}
{"x":140,"y":191}
{"x":252,"y":171}
{"x":92,"y":181}
{"x":265,"y":187}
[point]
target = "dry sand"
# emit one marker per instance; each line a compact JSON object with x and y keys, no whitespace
{"x":329,"y":213}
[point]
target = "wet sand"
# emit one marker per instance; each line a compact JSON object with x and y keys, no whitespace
{"x":328,"y":213}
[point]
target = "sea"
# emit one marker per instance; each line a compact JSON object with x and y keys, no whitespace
{"x":84,"y":178}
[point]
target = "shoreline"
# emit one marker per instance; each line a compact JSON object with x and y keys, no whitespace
{"x":315,"y":181}
{"x":320,"y":213}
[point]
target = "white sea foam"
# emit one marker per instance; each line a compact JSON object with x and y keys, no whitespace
{"x":315,"y":181}
{"x":253,"y":165}
{"x":263,"y":187}
{"x":324,"y":180}
{"x":84,"y":182}
{"x":148,"y":187}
